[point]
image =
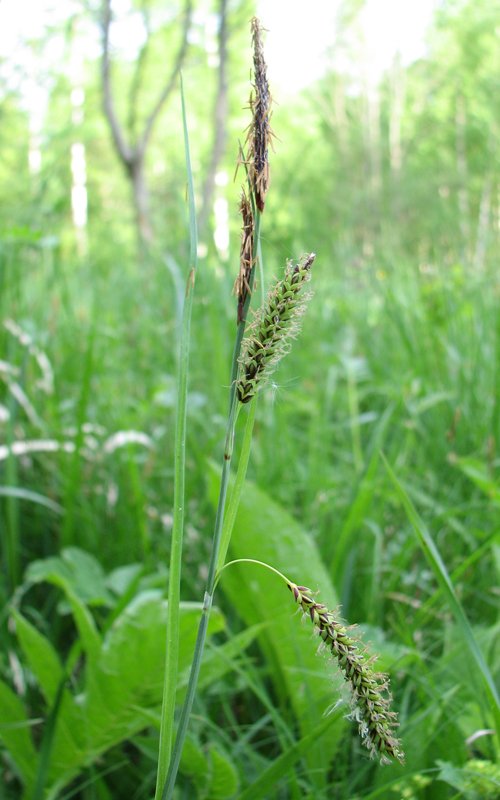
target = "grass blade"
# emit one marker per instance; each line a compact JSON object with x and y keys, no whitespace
{"x":32,"y":497}
{"x":172,"y":637}
{"x":265,"y":785}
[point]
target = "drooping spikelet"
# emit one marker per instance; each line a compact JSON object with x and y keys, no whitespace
{"x":259,"y":133}
{"x":274,"y":326}
{"x":242,"y":283}
{"x":369,"y":697}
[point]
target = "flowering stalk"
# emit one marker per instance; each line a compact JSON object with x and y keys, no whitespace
{"x":272,"y":329}
{"x":370,"y":702}
{"x":269,"y":335}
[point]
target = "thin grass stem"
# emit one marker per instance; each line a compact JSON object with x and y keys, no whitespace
{"x":207,"y":605}
{"x":237,"y":488}
{"x":47,"y":742}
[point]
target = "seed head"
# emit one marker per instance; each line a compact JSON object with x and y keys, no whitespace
{"x":273,"y":328}
{"x":370,"y":700}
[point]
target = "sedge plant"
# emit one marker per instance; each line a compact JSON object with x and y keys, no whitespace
{"x":260,"y":344}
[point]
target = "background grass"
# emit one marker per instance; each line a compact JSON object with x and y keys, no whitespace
{"x":398,"y":359}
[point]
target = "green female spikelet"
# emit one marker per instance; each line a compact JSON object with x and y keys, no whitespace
{"x":369,"y":698}
{"x":274,"y":326}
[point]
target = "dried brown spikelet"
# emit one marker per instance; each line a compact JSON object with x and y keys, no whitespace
{"x":370,"y":701}
{"x":242,"y":284}
{"x":259,"y":133}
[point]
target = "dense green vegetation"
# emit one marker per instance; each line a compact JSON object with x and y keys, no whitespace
{"x":378,"y":437}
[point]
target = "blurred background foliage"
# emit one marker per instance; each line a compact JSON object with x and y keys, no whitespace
{"x":393,"y":179}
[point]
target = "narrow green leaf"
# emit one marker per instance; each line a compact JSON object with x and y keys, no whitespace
{"x":15,"y":734}
{"x":476,"y":472}
{"x":436,"y":563}
{"x":361,"y":499}
{"x":47,"y":742}
{"x":32,"y":497}
{"x":265,"y":785}
{"x":173,"y":612}
{"x":56,"y":572}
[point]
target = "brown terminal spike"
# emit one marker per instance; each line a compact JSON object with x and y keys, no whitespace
{"x":259,"y":133}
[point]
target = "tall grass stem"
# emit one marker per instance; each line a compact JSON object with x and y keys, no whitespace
{"x":173,"y":609}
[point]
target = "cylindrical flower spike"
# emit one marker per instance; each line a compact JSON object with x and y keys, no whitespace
{"x":369,"y":698}
{"x":259,"y":133}
{"x":275,"y":324}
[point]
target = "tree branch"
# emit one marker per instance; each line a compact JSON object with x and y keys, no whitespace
{"x":170,"y":84}
{"x":138,"y":76}
{"x":125,"y":151}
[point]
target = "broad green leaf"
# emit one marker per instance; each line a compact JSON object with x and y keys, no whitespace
{"x":224,"y":778}
{"x":120,"y":579}
{"x":59,"y":573}
{"x":477,"y":780}
{"x":194,"y":764}
{"x":81,"y":570}
{"x":303,"y":679}
{"x":123,"y":684}
{"x":41,"y":656}
{"x":15,"y":734}
{"x":89,"y":580}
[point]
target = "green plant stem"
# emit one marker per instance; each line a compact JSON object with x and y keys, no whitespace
{"x":174,"y":583}
{"x":251,"y":561}
{"x":234,"y":497}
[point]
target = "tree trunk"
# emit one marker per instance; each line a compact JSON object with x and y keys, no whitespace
{"x":131,"y":149}
{"x":140,"y":195}
{"x":463,"y":178}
